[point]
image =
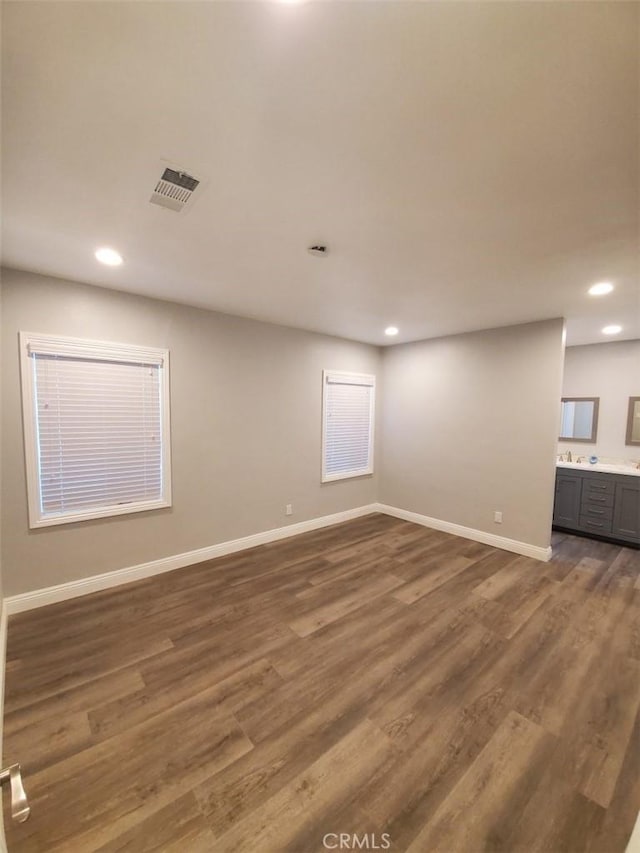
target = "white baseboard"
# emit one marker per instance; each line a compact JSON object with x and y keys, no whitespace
{"x":73,"y":589}
{"x":3,"y":664}
{"x":634,"y":842}
{"x":524,"y":548}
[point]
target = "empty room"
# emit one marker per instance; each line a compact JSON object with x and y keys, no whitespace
{"x":320,"y":426}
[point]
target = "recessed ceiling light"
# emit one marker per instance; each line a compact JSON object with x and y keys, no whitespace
{"x":601,"y":288}
{"x":612,"y":330}
{"x":391,"y":330}
{"x":109,"y":257}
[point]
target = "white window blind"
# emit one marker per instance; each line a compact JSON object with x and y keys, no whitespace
{"x":96,"y":420}
{"x":348,"y":417}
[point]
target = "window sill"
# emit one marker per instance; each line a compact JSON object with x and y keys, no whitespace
{"x":99,"y":512}
{"x":349,"y":475}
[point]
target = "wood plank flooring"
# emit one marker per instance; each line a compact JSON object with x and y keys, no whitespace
{"x":373,"y":677}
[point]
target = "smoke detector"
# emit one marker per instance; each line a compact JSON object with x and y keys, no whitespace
{"x":174,"y":189}
{"x":319,"y":251}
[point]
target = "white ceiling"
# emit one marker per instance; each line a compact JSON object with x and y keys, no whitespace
{"x":469,"y":165}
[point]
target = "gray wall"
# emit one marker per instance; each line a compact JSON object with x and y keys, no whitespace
{"x":246,"y":427}
{"x":1,"y":584}
{"x":470,"y":426}
{"x":610,"y":371}
{"x":3,"y":843}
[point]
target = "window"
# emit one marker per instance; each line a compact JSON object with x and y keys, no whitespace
{"x":348,"y":402}
{"x":96,"y":428}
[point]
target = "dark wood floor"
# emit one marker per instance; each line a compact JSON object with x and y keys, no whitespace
{"x":373,"y":677}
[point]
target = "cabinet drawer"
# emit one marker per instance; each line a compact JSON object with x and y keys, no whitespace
{"x":596,"y":486}
{"x":597,"y":498}
{"x":595,"y":525}
{"x":597,"y":511}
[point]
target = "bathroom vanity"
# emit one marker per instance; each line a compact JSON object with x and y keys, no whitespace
{"x":598,"y":501}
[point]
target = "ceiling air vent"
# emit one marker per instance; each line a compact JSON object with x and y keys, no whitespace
{"x":174,"y":189}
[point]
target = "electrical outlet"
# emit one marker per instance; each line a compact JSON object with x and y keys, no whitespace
{"x":288,"y":510}
{"x":497,"y":517}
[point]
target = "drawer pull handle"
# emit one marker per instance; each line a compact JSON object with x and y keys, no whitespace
{"x":598,"y":498}
{"x":594,"y":486}
{"x":592,"y":511}
{"x":594,"y":524}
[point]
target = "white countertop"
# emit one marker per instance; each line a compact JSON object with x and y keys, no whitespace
{"x":603,"y":467}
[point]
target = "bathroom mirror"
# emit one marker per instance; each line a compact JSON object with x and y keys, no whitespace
{"x":633,"y":421}
{"x":579,"y":419}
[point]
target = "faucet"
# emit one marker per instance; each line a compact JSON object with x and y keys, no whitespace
{"x":569,"y":459}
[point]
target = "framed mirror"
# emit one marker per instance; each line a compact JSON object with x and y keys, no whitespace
{"x":579,"y":419}
{"x":633,"y":421}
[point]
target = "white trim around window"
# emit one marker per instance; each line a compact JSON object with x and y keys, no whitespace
{"x":348,"y":417}
{"x":60,"y":369}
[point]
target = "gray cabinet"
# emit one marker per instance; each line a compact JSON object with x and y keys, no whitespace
{"x":566,"y":510}
{"x":599,"y":504}
{"x":626,"y":511}
{"x":596,"y":510}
